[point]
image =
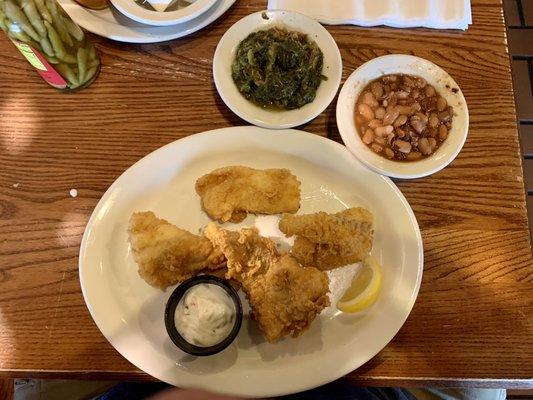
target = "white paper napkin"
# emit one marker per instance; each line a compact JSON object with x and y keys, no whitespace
{"x":159,"y":5}
{"x":162,"y":5}
{"x":437,"y":14}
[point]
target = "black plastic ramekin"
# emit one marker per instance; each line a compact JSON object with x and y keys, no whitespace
{"x":175,"y":298}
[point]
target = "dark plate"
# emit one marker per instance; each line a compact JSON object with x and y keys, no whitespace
{"x":175,"y":298}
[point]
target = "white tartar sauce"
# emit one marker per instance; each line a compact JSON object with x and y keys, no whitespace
{"x":205,"y":315}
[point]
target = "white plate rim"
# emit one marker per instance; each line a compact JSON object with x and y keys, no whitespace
{"x":297,"y":386}
{"x":409,"y":170}
{"x":245,"y":109}
{"x":165,"y":18}
{"x":91,"y":21}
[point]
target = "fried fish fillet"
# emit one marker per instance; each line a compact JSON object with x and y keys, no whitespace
{"x":284,"y":296}
{"x":229,"y":193}
{"x":328,"y":241}
{"x":221,"y":273}
{"x":166,"y":254}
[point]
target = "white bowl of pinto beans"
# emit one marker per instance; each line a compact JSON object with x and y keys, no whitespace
{"x":402,"y":116}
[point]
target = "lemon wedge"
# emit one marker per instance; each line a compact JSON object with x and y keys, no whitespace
{"x":364,"y":289}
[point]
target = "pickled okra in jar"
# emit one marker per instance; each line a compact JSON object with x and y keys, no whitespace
{"x":53,"y":44}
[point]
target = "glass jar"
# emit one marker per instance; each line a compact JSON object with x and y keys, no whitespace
{"x":53,"y":44}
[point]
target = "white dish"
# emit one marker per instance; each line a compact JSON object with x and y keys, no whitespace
{"x":110,"y":23}
{"x":412,"y":65}
{"x":225,"y":54}
{"x":162,"y":18}
{"x":130,"y":313}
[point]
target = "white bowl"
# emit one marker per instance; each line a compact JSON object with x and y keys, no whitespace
{"x":162,"y":18}
{"x":225,"y":54}
{"x":405,"y":64}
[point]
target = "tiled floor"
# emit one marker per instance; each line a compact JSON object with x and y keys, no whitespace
{"x":519,"y":16}
{"x":30,"y":389}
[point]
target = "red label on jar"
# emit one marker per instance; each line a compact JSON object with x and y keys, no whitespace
{"x":43,"y":67}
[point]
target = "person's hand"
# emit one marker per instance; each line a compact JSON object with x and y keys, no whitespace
{"x":185,"y":394}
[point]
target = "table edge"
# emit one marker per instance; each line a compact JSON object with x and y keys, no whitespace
{"x":368,"y":381}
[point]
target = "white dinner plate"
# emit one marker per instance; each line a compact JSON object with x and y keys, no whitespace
{"x":130,"y":313}
{"x":110,"y":23}
{"x":275,"y":119}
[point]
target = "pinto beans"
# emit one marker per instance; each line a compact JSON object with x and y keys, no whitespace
{"x":402,"y":117}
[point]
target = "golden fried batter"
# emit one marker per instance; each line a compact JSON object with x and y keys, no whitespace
{"x":229,"y":193}
{"x":221,"y":273}
{"x":166,"y":254}
{"x":328,"y":241}
{"x":284,"y":296}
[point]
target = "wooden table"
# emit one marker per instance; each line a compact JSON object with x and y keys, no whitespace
{"x":472,"y":322}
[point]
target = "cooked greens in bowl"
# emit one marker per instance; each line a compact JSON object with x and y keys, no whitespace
{"x":278,"y":69}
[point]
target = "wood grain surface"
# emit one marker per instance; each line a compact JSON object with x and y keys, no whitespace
{"x":472,"y":323}
{"x":7,"y":388}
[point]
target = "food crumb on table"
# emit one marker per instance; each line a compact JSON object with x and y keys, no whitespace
{"x":16,"y":185}
{"x":73,"y":193}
